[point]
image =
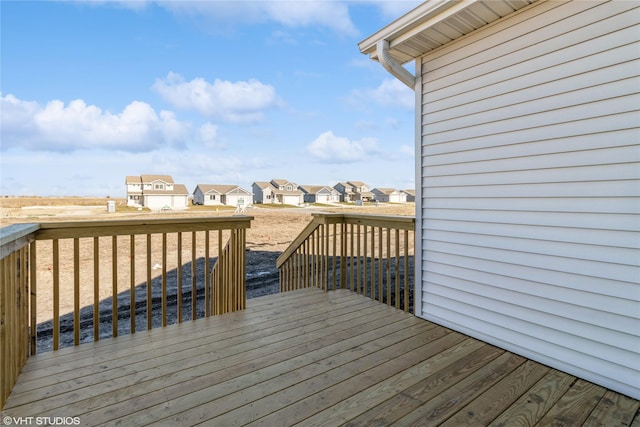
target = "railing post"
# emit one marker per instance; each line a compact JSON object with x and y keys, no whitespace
{"x":17,"y":251}
{"x":114,"y":289}
{"x":33,"y":294}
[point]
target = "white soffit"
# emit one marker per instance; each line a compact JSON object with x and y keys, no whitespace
{"x":436,"y":23}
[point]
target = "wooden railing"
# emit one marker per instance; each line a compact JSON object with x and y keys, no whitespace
{"x":228,"y":276}
{"x":14,"y":303}
{"x":85,"y":280}
{"x":368,"y":254}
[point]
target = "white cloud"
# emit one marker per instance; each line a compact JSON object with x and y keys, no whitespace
{"x":240,"y":102}
{"x":334,"y":15}
{"x":293,"y":14}
{"x":390,"y":93}
{"x":60,"y":127}
{"x":331,"y":148}
{"x":208,"y":135}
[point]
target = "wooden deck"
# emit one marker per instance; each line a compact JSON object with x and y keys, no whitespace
{"x":313,"y":358}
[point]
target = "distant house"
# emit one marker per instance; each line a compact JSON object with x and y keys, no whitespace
{"x":346,"y":192}
{"x":389,"y":195}
{"x":134,"y":191}
{"x":410,"y":195}
{"x":227,"y":195}
{"x":156,"y":192}
{"x":527,"y":155}
{"x":352,"y":191}
{"x":320,"y":194}
{"x":263,"y":192}
{"x":278,"y":191}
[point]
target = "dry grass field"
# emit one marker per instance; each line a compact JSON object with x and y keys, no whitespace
{"x":273,"y":227}
{"x":272,"y":230}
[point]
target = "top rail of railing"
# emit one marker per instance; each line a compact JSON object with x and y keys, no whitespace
{"x":16,"y":236}
{"x":72,"y":229}
{"x":384,"y":221}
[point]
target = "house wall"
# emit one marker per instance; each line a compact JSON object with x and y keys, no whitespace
{"x":311,"y":197}
{"x":530,"y":169}
{"x":135,"y":200}
{"x":292,"y":199}
{"x":179,"y":202}
{"x":157,"y":202}
{"x":208,"y":201}
{"x":328,"y":197}
{"x":383,"y":198}
{"x":198,"y":196}
{"x":258,"y":194}
{"x":134,"y":195}
{"x":344,"y":196}
{"x":323,"y":196}
{"x":238,"y":197}
{"x":398,"y":197}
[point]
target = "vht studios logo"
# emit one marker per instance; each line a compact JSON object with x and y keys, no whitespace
{"x":39,"y":421}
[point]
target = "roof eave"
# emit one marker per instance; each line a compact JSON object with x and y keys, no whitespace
{"x":421,"y":30}
{"x":418,"y":19}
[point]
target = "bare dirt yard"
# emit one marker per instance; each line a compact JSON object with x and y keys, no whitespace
{"x":272,"y":227}
{"x":271,"y":231}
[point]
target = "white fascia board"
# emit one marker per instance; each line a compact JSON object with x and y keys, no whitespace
{"x":419,"y":19}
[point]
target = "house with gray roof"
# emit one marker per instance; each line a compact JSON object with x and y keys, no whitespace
{"x":156,"y":192}
{"x":279,"y":191}
{"x":389,"y":195}
{"x":221,"y":195}
{"x":320,"y":194}
{"x":352,"y":191}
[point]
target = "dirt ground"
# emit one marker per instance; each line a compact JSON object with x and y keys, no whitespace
{"x":271,"y":231}
{"x":272,"y":227}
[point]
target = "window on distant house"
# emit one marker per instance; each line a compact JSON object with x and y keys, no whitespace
{"x":289,"y":187}
{"x":158,"y":186}
{"x":212,"y":196}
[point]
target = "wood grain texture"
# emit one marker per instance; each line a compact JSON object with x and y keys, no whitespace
{"x":309,"y":357}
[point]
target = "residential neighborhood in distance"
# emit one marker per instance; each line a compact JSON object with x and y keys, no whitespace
{"x":160,"y":192}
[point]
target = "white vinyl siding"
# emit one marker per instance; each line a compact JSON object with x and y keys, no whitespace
{"x":530,"y":187}
{"x":238,"y":197}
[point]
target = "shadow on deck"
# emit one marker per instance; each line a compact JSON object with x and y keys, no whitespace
{"x":261,"y":279}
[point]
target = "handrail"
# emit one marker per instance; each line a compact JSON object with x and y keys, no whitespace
{"x":368,"y":254}
{"x":400,"y":222}
{"x":61,"y":230}
{"x":300,"y":239}
{"x":228,"y":277}
{"x":49,"y":269}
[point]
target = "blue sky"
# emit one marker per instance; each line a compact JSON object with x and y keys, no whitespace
{"x":210,"y":92}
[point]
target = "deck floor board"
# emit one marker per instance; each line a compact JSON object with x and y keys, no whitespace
{"x":311,"y":358}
